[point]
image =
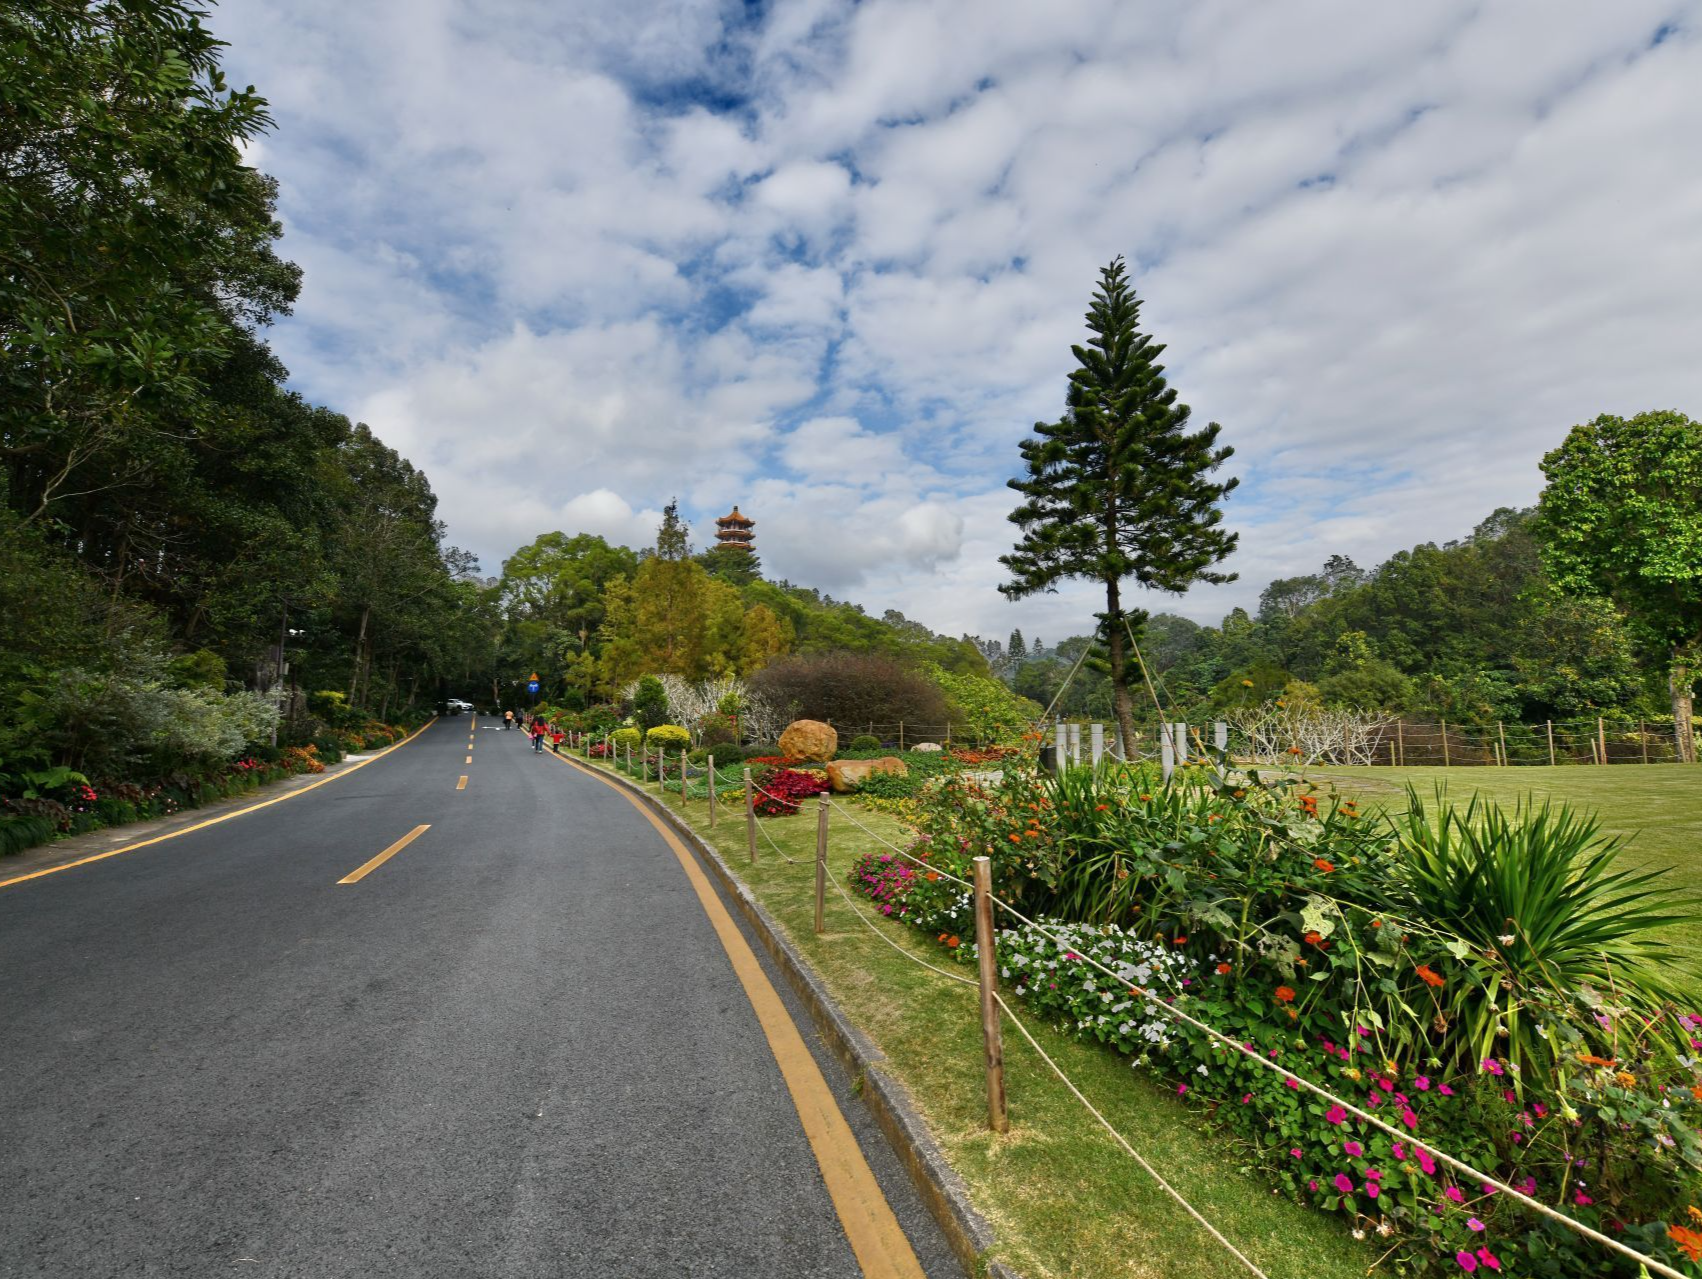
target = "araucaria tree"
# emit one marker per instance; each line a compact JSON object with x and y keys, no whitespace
{"x":1622,"y":518}
{"x":1119,"y":488}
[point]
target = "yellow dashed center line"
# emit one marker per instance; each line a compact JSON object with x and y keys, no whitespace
{"x":462,"y":784}
{"x":355,"y":877}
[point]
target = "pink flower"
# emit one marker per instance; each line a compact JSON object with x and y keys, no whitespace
{"x":1466,"y":1260}
{"x":1422,"y":1083}
{"x":1527,"y":1187}
{"x":1354,"y":1148}
{"x":1425,"y":1161}
{"x":1246,"y":1097}
{"x":1295,"y":1151}
{"x":1472,"y":1223}
{"x":1445,"y":1091}
{"x":1400,"y":1150}
{"x":1409,"y":1117}
{"x":1292,"y":1082}
{"x":1489,"y":1258}
{"x":1455,"y":1194}
{"x":1492,"y":1066}
{"x":1344,"y":1183}
{"x":1313,"y":1184}
{"x":1581,"y":1199}
{"x":1181,"y":1090}
{"x":1371,"y":1189}
{"x":1336,"y":1115}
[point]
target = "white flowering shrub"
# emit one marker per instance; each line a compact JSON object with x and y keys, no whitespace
{"x":1044,"y":966}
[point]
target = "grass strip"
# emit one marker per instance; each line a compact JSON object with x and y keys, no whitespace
{"x":1064,"y":1199}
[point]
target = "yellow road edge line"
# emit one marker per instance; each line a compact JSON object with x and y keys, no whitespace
{"x":223,"y":817}
{"x":462,"y":784}
{"x":355,"y":877}
{"x":882,"y":1249}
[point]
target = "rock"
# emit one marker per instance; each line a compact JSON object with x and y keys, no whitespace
{"x":927,"y":746}
{"x":809,"y":739}
{"x":844,"y":775}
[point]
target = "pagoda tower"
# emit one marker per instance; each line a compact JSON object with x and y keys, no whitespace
{"x":735,"y":530}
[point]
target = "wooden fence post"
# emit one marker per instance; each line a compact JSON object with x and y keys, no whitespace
{"x":1548,"y":724}
{"x":750,"y":816}
{"x":1401,"y":741}
{"x":987,"y":967}
{"x":1444,"y":743}
{"x":821,"y":866}
{"x":900,"y":735}
{"x":629,"y":759}
{"x":1601,"y":737}
{"x":712,"y":792}
{"x":1643,"y":740}
{"x":1501,"y":731}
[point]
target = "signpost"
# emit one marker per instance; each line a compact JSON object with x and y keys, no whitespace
{"x":532,"y":686}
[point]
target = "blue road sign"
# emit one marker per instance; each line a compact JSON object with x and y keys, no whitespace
{"x":531,"y":686}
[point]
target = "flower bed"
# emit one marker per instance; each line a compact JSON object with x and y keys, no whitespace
{"x":1292,"y":925}
{"x":780,"y":790}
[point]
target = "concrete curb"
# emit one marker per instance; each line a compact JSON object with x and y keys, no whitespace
{"x":942,"y":1190}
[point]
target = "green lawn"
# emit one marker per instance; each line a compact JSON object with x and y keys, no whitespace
{"x":1657,"y":808}
{"x":1064,"y":1200}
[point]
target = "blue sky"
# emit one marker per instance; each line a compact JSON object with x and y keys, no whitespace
{"x":826,"y":260}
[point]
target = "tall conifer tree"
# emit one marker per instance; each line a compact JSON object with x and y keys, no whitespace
{"x":1119,"y":488}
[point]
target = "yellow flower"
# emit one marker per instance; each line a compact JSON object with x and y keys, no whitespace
{"x":1626,"y":1079}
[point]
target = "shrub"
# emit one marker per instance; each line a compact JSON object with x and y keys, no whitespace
{"x":786,"y":788}
{"x":850,"y":688}
{"x":24,"y":830}
{"x":649,"y":702}
{"x":667,"y":737}
{"x":986,"y":707}
{"x":1535,"y":891}
{"x":622,"y":738}
{"x":864,"y":742}
{"x":889,"y":785}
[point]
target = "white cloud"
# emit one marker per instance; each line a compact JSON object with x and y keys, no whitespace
{"x":829,"y":265}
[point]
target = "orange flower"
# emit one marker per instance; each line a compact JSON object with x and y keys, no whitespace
{"x":1376,"y":923}
{"x":1284,"y":995}
{"x":1591,"y":1060}
{"x":1015,"y":838}
{"x":1688,"y":1240}
{"x":1181,"y":940}
{"x":951,"y":943}
{"x":1696,"y":1092}
{"x":1292,"y":1015}
{"x":1626,"y":1079}
{"x":1100,"y":808}
{"x":932,"y":876}
{"x":1222,"y":969}
{"x":1312,"y":939}
{"x":1431,"y":978}
{"x":1323,"y":865}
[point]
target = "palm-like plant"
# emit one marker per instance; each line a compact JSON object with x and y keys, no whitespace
{"x":1564,"y":948}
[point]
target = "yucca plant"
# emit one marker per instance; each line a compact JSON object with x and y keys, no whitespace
{"x":1563,"y":949}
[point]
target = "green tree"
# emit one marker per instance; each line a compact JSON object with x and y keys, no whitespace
{"x":1621,"y":517}
{"x":1119,"y":488}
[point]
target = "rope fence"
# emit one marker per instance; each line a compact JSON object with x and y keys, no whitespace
{"x":993,"y":1005}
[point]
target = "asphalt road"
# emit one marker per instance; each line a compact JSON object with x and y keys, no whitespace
{"x":517,"y":1047}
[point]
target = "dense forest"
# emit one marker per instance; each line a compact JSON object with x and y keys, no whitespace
{"x":1472,"y":631}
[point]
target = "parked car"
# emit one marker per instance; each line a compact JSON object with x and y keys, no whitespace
{"x":458,"y":707}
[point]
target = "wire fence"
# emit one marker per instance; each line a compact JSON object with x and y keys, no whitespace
{"x":995,"y":1010}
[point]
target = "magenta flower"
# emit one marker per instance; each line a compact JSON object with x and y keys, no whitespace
{"x":1409,"y":1117}
{"x":1455,"y":1194}
{"x":1400,"y":1150}
{"x":1181,"y":1090}
{"x":1292,"y":1082}
{"x":1246,"y":1097}
{"x":1354,"y":1148}
{"x":1425,"y":1161}
{"x":1466,"y":1260}
{"x":1489,"y":1258}
{"x":1344,"y":1183}
{"x":1295,"y":1151}
{"x":1336,"y":1115}
{"x":1445,"y":1091}
{"x":1422,"y":1083}
{"x":1493,"y":1066}
{"x":1472,"y":1223}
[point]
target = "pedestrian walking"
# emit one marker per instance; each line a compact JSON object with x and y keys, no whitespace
{"x":555,"y":738}
{"x":537,"y":731}
{"x":508,"y":719}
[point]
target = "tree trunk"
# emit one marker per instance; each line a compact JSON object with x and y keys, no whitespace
{"x":360,"y":648}
{"x":1680,"y":679}
{"x":1122,"y":704}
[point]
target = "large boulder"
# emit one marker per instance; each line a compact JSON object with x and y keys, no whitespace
{"x":844,"y":775}
{"x":809,"y":739}
{"x":927,"y":746}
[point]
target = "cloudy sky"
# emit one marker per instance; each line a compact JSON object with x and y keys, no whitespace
{"x":826,"y":260}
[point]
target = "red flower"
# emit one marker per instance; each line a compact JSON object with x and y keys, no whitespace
{"x":1284,"y":995}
